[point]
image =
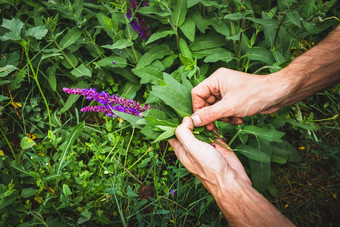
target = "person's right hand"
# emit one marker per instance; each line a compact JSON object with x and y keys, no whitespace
{"x":229,"y":95}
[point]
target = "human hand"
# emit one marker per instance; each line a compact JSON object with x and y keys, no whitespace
{"x":215,"y":166}
{"x":228,"y":95}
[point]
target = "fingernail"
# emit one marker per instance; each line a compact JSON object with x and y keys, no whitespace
{"x":196,"y":119}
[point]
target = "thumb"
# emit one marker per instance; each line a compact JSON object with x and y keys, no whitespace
{"x":209,"y":114}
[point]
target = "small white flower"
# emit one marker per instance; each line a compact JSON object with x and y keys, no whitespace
{"x":31,"y":157}
{"x":47,"y":164}
{"x":106,"y":172}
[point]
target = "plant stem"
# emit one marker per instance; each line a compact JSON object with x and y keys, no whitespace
{"x":9,"y":145}
{"x":35,"y":76}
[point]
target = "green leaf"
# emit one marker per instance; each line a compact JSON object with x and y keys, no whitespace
{"x":147,"y":10}
{"x":15,"y":26}
{"x":3,"y":98}
{"x":294,"y":17}
{"x":224,"y":55}
{"x":26,"y":143}
{"x":27,"y":192}
{"x":179,"y":13}
{"x":113,"y":62}
{"x":148,"y":75}
{"x":268,"y":134}
{"x":120,"y":44}
{"x":208,"y":42}
{"x":260,"y":54}
{"x":37,"y":32}
{"x":173,"y":84}
{"x":66,"y":146}
{"x":234,"y":16}
{"x":253,"y":153}
{"x":185,"y":49}
{"x":81,"y":71}
{"x":188,"y":29}
{"x":162,"y":211}
{"x":66,"y":190}
{"x":70,"y":38}
{"x":4,"y":71}
{"x":220,"y":26}
{"x":132,"y":119}
{"x":158,"y":35}
{"x":168,"y":132}
{"x":173,"y":99}
{"x":155,"y":53}
{"x":286,"y":151}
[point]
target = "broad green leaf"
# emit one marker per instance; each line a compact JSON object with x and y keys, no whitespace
{"x":285,"y":4}
{"x":130,"y":90}
{"x":147,"y":10}
{"x":155,"y":53}
{"x":286,"y":151}
{"x":158,"y":35}
{"x":278,"y":159}
{"x":173,"y":99}
{"x":26,"y":143}
{"x":253,"y":153}
{"x":132,"y":119}
{"x":224,"y":55}
{"x":37,"y":32}
{"x":113,"y":62}
{"x":234,"y":16}
{"x":15,"y":26}
{"x":294,"y":17}
{"x":278,"y":56}
{"x":168,"y":132}
{"x":69,"y":141}
{"x":66,"y":190}
{"x":191,"y":3}
{"x":162,"y":211}
{"x":173,"y":84}
{"x":120,"y":44}
{"x":70,"y":38}
{"x":168,"y":61}
{"x":188,"y":29}
{"x":4,"y":71}
{"x":201,"y":23}
{"x":81,"y":71}
{"x":261,"y":170}
{"x":220,"y":26}
{"x":268,"y":134}
{"x":208,"y":42}
{"x":148,"y":75}
{"x":127,"y":75}
{"x":52,"y":79}
{"x":185,"y":49}
{"x":27,"y":192}
{"x":106,"y":23}
{"x":179,"y":13}
{"x":3,"y":98}
{"x":260,"y":54}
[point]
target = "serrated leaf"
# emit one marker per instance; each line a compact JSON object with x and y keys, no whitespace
{"x":158,"y":35}
{"x":260,"y":54}
{"x":268,"y":134}
{"x":188,"y":29}
{"x":15,"y":26}
{"x":81,"y":71}
{"x":70,"y":38}
{"x":37,"y":32}
{"x":120,"y":44}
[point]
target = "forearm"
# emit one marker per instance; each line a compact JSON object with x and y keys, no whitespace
{"x":244,"y":206}
{"x":315,"y":70}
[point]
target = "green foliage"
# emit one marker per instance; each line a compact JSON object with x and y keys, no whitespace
{"x":84,"y":169}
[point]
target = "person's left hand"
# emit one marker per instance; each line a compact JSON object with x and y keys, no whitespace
{"x":215,"y":166}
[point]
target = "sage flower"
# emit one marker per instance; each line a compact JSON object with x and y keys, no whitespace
{"x":110,"y":103}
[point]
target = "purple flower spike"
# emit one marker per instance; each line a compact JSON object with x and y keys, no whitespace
{"x":110,"y":103}
{"x":172,"y":192}
{"x":114,"y":62}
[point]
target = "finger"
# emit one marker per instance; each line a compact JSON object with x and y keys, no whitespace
{"x":236,"y":121}
{"x":185,"y":136}
{"x":209,"y":114}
